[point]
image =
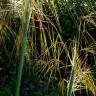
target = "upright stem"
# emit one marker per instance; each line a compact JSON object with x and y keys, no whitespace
{"x":73,"y":72}
{"x":23,"y":48}
{"x":70,"y":85}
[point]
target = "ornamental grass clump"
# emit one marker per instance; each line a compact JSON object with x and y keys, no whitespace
{"x":54,"y":40}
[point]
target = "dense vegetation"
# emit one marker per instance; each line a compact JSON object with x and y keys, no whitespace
{"x":47,"y":48}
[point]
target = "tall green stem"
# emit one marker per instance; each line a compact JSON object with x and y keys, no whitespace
{"x":23,"y":47}
{"x":73,"y":72}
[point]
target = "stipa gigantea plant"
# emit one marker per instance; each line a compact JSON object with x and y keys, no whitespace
{"x":79,"y":75}
{"x":27,"y":16}
{"x":49,"y":55}
{"x":73,"y":72}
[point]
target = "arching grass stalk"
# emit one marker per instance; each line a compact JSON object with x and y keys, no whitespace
{"x":28,"y":12}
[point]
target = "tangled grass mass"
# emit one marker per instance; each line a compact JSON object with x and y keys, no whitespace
{"x":47,"y":48}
